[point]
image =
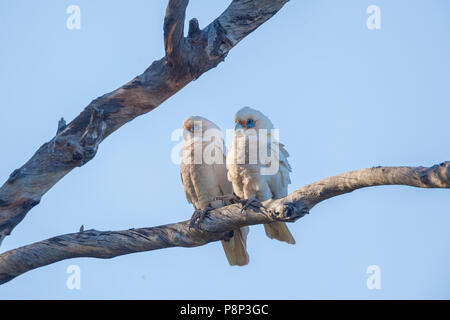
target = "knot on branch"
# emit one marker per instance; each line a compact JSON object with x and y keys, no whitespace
{"x":61,"y":126}
{"x":14,"y":176}
{"x":69,"y":148}
{"x":443,"y":174}
{"x":194,"y":29}
{"x":437,"y":176}
{"x":30,"y":203}
{"x":444,"y":168}
{"x":218,"y":42}
{"x":288,"y":212}
{"x":205,"y":49}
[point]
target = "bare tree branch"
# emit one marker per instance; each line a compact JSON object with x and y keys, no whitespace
{"x":174,"y":31}
{"x":108,"y":244}
{"x":77,"y":142}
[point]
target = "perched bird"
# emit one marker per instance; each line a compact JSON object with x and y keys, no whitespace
{"x":257,"y":178}
{"x":204,"y":176}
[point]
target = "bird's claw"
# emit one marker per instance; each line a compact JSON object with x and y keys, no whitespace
{"x":197,"y":217}
{"x":251,"y":203}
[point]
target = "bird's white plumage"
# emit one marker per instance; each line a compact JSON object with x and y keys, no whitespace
{"x":205,"y":181}
{"x":247,"y":176}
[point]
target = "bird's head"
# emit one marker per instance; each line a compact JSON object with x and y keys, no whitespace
{"x":197,"y":125}
{"x":248,"y":118}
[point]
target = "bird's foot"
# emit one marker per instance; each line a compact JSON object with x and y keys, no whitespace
{"x":198,"y":217}
{"x":251,"y":203}
{"x":228,"y":199}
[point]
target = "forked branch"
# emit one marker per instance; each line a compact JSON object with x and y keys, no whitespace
{"x":77,"y":142}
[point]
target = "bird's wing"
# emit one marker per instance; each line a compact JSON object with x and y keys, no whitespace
{"x":233,"y":174}
{"x":187,"y":183}
{"x":285,"y":167}
{"x":188,"y":176}
{"x":220,"y":170}
{"x":280,"y":181}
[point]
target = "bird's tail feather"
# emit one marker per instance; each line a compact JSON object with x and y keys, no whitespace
{"x":236,"y":248}
{"x":279,"y":231}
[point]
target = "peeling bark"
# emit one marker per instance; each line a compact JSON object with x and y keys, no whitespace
{"x":216,"y":225}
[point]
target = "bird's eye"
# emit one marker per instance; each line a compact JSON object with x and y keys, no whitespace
{"x":250,"y":123}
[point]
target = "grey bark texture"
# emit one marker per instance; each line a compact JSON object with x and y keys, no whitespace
{"x":109,"y":244}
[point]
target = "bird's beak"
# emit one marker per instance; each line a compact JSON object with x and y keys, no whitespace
{"x":238,"y":126}
{"x":187,"y":127}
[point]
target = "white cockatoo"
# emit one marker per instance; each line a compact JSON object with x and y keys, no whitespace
{"x":256,"y":177}
{"x":204,"y":176}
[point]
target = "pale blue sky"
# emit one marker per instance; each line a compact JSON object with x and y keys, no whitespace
{"x":344,"y":97}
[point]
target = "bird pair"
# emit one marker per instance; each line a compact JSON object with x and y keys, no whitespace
{"x":240,"y":174}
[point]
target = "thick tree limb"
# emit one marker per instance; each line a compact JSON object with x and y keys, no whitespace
{"x":108,"y":244}
{"x":186,"y":59}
